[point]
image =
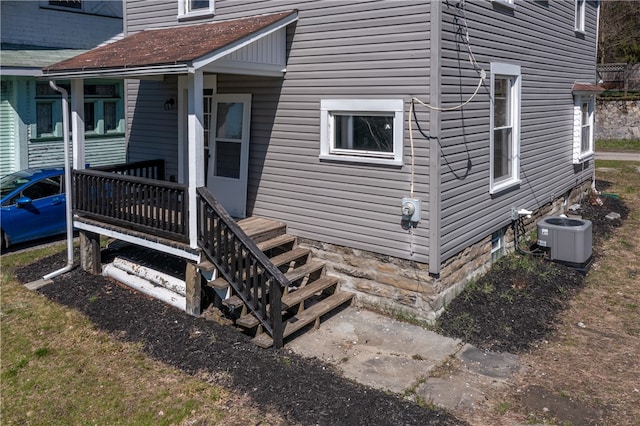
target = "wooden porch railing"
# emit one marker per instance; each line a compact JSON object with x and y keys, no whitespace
{"x":152,"y":206}
{"x":255,"y":279}
{"x":150,"y":169}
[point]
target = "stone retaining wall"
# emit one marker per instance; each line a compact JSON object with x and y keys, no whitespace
{"x":617,"y":119}
{"x":405,"y":288}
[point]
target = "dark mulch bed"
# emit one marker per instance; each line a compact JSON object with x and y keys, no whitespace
{"x":304,"y":391}
{"x":514,"y":306}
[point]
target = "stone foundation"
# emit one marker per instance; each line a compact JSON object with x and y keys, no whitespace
{"x":405,"y":288}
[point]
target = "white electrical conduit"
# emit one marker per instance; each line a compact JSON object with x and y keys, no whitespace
{"x":67,"y":182}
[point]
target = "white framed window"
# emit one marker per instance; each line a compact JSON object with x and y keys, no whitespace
{"x":505,"y":126}
{"x":583,"y":147}
{"x":103,"y":110}
{"x":362,"y":130}
{"x":580,"y":11}
{"x":195,"y":8}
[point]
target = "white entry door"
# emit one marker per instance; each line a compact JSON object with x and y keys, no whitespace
{"x":229,"y":152}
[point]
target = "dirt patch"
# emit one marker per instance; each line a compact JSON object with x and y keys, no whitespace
{"x":561,"y":407}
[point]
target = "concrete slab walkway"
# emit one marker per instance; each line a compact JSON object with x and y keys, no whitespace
{"x":390,"y":355}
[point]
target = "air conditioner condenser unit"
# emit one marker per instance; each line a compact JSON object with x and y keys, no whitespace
{"x":569,"y":240}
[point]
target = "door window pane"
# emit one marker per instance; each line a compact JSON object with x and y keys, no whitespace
{"x":228,"y":159}
{"x":229,"y":120}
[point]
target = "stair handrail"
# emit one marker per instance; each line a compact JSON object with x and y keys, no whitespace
{"x":277,"y":280}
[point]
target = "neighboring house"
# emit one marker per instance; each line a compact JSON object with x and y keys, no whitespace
{"x":39,"y":33}
{"x":394,"y":138}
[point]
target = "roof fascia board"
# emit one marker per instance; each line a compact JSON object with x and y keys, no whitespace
{"x":22,"y":72}
{"x":134,"y":73}
{"x":205,"y":60}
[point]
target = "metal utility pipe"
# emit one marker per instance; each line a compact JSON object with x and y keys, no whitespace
{"x":67,"y":182}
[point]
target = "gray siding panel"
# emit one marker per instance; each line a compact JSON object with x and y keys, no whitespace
{"x":348,"y":49}
{"x":540,"y":37}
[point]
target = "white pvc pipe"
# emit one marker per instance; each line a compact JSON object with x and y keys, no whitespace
{"x":156,"y":277}
{"x":67,"y":182}
{"x":144,"y":286}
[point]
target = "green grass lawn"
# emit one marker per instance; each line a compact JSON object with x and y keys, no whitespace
{"x":617,"y":145}
{"x":57,"y":367}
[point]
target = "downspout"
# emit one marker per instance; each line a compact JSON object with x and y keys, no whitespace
{"x":67,"y":182}
{"x":435,"y":248}
{"x":593,"y":180}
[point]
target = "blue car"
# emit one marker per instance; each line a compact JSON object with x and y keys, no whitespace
{"x":33,"y":205}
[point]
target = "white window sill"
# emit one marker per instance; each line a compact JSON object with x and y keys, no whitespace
{"x":584,"y":157}
{"x":195,"y":15}
{"x":358,"y":159}
{"x":503,"y":186}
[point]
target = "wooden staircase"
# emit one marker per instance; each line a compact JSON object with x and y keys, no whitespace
{"x":310,"y":295}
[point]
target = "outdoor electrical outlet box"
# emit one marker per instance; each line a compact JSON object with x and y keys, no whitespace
{"x":411,"y":209}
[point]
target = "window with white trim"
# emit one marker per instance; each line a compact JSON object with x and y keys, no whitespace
{"x":362,"y":130}
{"x":505,"y":126}
{"x":583,"y":108}
{"x":103,"y":110}
{"x":195,"y":8}
{"x":580,"y":13}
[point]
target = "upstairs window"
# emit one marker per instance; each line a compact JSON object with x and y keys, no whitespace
{"x":194,"y":8}
{"x":583,"y":148}
{"x":505,"y":126}
{"x":362,"y":130}
{"x":580,"y":11}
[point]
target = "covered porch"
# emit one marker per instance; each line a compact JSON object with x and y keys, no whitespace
{"x":251,"y":265}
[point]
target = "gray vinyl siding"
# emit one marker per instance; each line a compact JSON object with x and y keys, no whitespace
{"x":152,"y":130}
{"x":340,"y":49}
{"x":349,"y":50}
{"x":540,"y":37}
{"x":98,"y":152}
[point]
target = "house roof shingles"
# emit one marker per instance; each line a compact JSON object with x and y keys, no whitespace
{"x":168,"y":46}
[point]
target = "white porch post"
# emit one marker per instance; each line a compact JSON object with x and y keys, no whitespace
{"x":77,"y":123}
{"x":195,"y":150}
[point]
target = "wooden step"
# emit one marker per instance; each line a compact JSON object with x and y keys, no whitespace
{"x":233,"y":302}
{"x":290,"y":256}
{"x":206,"y":266}
{"x":306,"y":317}
{"x":302,"y":294}
{"x":219,"y":283}
{"x":248,"y":321}
{"x":292,"y":299}
{"x":260,"y":229}
{"x":304,"y":270}
{"x":278,"y":241}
